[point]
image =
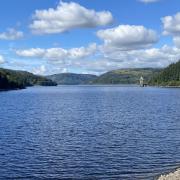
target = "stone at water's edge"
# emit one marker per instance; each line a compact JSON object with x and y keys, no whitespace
{"x":171,"y":176}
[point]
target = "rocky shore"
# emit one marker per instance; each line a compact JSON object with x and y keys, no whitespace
{"x":171,"y":176}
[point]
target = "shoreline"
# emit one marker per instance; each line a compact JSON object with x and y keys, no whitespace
{"x":174,"y":175}
{"x":13,"y":89}
{"x":122,"y":85}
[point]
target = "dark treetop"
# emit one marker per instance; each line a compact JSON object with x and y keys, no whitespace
{"x":11,"y":79}
{"x":169,"y":76}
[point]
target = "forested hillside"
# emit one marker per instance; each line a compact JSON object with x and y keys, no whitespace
{"x":72,"y":79}
{"x":169,"y":76}
{"x":126,"y":76}
{"x":11,"y":79}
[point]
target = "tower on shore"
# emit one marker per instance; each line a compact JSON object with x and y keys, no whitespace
{"x":141,"y":81}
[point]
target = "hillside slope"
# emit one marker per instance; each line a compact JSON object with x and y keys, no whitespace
{"x":11,"y":79}
{"x":72,"y":79}
{"x":126,"y":76}
{"x":169,"y":76}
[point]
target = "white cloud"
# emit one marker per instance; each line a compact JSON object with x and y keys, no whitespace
{"x":2,"y":60}
{"x":153,"y":57}
{"x":114,"y":59}
{"x":126,"y":37}
{"x":171,"y":25}
{"x":11,"y":34}
{"x":64,"y":70}
{"x":149,"y":1}
{"x":57,"y":54}
{"x":40,"y":70}
{"x":68,"y":16}
{"x":176,"y":41}
{"x":33,"y":52}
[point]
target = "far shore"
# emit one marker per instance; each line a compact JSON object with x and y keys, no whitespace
{"x":170,"y":86}
{"x":125,"y":85}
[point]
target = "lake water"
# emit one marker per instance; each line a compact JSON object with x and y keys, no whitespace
{"x":89,"y":132}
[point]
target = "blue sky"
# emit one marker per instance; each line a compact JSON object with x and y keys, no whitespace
{"x":92,"y":36}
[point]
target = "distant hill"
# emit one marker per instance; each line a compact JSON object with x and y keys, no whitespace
{"x":72,"y":79}
{"x":11,"y":79}
{"x":126,"y":76}
{"x":169,"y":76}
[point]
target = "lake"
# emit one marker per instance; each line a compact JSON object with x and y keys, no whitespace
{"x":89,"y":132}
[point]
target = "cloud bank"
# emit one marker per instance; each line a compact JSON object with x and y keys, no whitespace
{"x":58,"y":54}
